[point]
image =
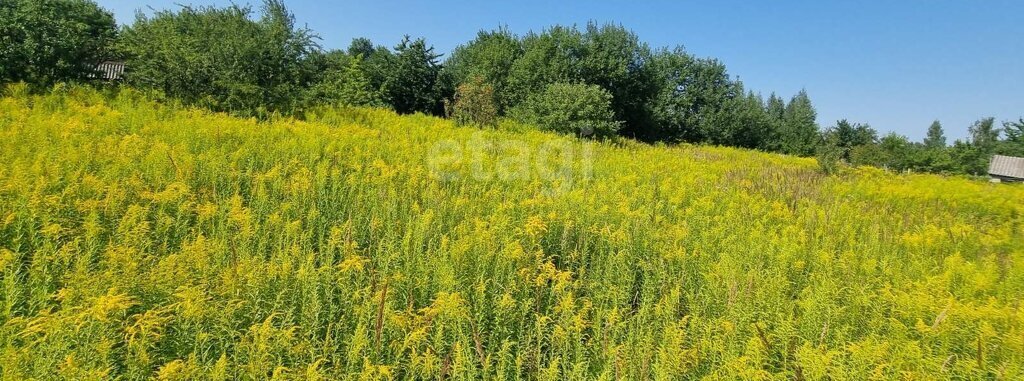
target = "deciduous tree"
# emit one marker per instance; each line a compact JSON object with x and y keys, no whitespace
{"x":47,"y":41}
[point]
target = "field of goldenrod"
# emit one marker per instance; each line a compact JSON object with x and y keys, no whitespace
{"x":139,"y":240}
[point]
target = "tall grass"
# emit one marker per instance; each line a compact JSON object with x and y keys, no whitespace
{"x":141,"y":240}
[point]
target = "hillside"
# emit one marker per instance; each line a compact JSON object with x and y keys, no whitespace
{"x":139,"y":239}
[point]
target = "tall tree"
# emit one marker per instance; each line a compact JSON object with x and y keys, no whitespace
{"x":776,"y":107}
{"x":375,"y":61}
{"x":936,"y":138}
{"x":748,"y":125}
{"x":345,"y":85}
{"x":411,"y":82}
{"x":1014,"y":143}
{"x":974,"y":155}
{"x":690,"y":92}
{"x":775,"y":111}
{"x":361,"y":46}
{"x":551,"y":56}
{"x":48,"y":41}
{"x":847,"y":136}
{"x":615,"y":59}
{"x":220,"y":57}
{"x":984,"y":134}
{"x":799,"y":135}
{"x":488,"y":57}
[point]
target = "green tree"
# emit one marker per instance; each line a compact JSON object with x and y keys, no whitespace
{"x":376,"y":61}
{"x":775,"y":109}
{"x":892,"y":151}
{"x":411,"y":81}
{"x":1014,"y":143}
{"x":577,"y":109}
{"x":871,"y":154}
{"x":346,"y":85}
{"x":221,"y":58}
{"x":614,"y":58}
{"x":936,"y":138}
{"x":490,"y":56}
{"x":740,"y":122}
{"x":549,"y":57}
{"x":47,"y":41}
{"x":984,"y":134}
{"x":973,"y":156}
{"x":799,"y":134}
{"x":847,"y":136}
{"x":755,"y":129}
{"x":361,"y":46}
{"x":690,"y":93}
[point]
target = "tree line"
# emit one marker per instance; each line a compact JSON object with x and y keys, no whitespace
{"x":598,"y":81}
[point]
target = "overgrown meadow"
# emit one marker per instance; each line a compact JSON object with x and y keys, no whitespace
{"x":145,"y":240}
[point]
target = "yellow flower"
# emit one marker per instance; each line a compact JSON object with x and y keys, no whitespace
{"x":535,"y":226}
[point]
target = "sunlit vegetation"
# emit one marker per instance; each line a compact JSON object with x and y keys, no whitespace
{"x":140,"y":239}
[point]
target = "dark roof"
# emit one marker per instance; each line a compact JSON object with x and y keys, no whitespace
{"x":1007,"y":166}
{"x":110,"y":71}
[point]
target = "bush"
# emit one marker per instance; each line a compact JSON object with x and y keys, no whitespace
{"x":43,"y":42}
{"x":475,"y":104}
{"x":348,"y":85}
{"x":829,"y":157}
{"x":221,"y":58}
{"x":578,"y":109}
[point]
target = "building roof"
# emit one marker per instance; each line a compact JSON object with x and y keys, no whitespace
{"x":1007,"y":166}
{"x":110,"y":71}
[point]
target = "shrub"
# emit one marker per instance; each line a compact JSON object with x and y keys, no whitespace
{"x":47,"y":41}
{"x":221,"y":58}
{"x":475,"y":104}
{"x":569,"y":108}
{"x":829,"y":158}
{"x":348,"y":85}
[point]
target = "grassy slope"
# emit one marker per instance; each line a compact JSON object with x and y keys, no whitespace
{"x":140,"y":240}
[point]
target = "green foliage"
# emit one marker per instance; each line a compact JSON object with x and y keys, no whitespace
{"x":475,"y":104}
{"x":1014,"y":143}
{"x":892,"y":151}
{"x":799,"y":134}
{"x":221,"y":58}
{"x":346,"y":85}
{"x":745,"y":124}
{"x":829,"y":155}
{"x":411,"y":79}
{"x":936,"y":138}
{"x":973,"y":156}
{"x":552,"y":56}
{"x":846,"y":136}
{"x":691,"y":91}
{"x":224,"y":59}
{"x":577,"y":109}
{"x":490,"y":56}
{"x":775,"y":110}
{"x":615,"y":59}
{"x":43,"y":42}
{"x":984,"y":134}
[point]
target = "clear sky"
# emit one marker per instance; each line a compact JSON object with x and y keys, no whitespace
{"x":897,"y":65}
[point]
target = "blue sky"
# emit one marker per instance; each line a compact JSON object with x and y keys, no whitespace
{"x":896,"y":65}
